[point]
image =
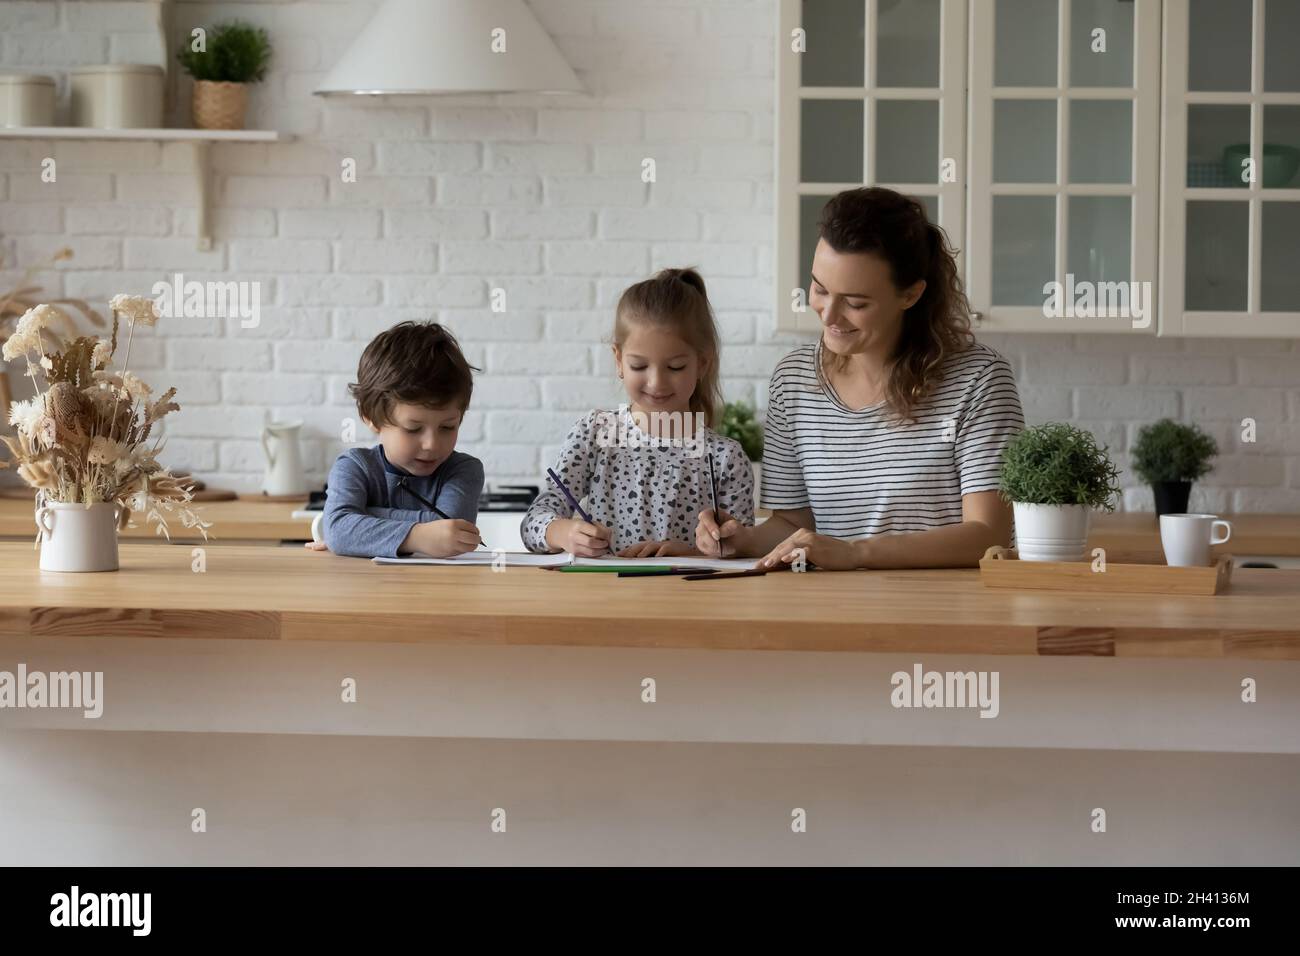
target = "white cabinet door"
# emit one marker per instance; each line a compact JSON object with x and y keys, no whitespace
{"x":1064,"y":165}
{"x":869,"y":92}
{"x":1230,"y":236}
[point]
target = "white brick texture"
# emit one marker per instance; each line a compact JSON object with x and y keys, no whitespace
{"x":539,"y":196}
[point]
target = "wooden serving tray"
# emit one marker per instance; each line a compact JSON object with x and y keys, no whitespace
{"x":1002,"y":568}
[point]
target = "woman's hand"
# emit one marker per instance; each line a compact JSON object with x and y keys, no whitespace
{"x":720,"y":535}
{"x":586,"y":539}
{"x":657,"y":549}
{"x":833,"y":554}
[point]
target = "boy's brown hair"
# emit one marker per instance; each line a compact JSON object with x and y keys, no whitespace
{"x":418,"y":363}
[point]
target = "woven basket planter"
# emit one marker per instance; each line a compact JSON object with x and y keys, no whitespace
{"x":219,"y":105}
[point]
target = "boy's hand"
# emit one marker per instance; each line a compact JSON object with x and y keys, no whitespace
{"x":657,"y":549}
{"x":586,"y":539}
{"x":719,"y":536}
{"x":445,"y":538}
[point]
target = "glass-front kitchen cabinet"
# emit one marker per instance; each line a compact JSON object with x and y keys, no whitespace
{"x":1036,"y":134}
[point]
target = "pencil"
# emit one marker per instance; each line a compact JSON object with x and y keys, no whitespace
{"x":401,"y":483}
{"x":755,"y":573}
{"x":569,"y":494}
{"x":657,"y":572}
{"x":574,"y":501}
{"x":713,"y":492}
{"x":614,"y":568}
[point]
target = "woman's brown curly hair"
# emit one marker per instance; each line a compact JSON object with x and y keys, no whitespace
{"x":895,"y":227}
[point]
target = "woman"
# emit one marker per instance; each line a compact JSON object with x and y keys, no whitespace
{"x":884,"y":439}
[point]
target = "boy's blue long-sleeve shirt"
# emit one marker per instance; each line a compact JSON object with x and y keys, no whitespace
{"x":368,"y":514}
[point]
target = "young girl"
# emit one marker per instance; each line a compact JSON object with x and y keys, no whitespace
{"x":644,"y":469}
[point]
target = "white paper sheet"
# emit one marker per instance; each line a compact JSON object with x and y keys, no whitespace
{"x":523,"y":559}
{"x":717,"y":564}
{"x":530,"y":560}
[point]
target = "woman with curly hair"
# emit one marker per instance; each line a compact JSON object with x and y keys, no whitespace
{"x":883,"y":439}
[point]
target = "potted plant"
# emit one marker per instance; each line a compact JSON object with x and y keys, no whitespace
{"x":1054,"y":475}
{"x":738,"y":422}
{"x":233,"y":55}
{"x":1169,"y":456}
{"x":82,"y":441}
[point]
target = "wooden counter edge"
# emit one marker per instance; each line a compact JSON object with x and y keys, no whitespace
{"x":1062,"y":640}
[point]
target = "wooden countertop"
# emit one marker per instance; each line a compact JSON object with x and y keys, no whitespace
{"x":252,"y":519}
{"x":1264,"y":534}
{"x":247,"y":518}
{"x":290,"y":593}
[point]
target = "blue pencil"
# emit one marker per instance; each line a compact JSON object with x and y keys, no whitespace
{"x":569,"y":494}
{"x":572,"y":500}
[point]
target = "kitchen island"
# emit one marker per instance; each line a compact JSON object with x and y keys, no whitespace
{"x":325,"y":709}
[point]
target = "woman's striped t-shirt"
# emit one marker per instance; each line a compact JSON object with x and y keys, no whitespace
{"x":864,"y":473}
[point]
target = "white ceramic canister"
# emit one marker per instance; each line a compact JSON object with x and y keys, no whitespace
{"x":117,"y":96}
{"x":26,"y":99}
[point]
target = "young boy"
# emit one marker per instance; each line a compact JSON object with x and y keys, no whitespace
{"x":413,"y":387}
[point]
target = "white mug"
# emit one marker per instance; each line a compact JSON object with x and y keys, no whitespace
{"x":1187,"y":538}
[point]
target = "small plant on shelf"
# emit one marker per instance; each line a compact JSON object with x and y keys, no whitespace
{"x":223,"y":61}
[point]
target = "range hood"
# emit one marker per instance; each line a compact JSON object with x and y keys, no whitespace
{"x":451,"y":46}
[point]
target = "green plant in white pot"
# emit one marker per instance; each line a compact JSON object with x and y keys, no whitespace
{"x":1055,"y":475}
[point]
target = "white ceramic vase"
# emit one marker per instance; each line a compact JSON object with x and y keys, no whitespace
{"x":284,"y":471}
{"x":78,"y":538}
{"x":1051,"y":532}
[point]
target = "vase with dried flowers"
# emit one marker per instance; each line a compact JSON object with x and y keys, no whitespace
{"x":82,"y":442}
{"x":15,"y":302}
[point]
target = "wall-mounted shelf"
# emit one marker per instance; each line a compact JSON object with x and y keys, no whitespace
{"x":199,"y":139}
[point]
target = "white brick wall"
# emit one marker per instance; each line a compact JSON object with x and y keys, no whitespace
{"x":540,"y":196}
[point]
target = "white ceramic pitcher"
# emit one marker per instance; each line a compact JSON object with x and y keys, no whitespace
{"x":77,"y":538}
{"x":284,"y":473}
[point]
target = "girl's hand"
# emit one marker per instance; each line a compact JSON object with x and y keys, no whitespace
{"x":448,"y":537}
{"x":315,"y":546}
{"x":718,"y":536}
{"x":657,"y":549}
{"x":833,"y":554}
{"x":586,"y":539}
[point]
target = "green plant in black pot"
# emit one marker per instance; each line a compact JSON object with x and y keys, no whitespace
{"x":223,"y":61}
{"x":1054,"y":475}
{"x":738,"y":422}
{"x":1169,"y":456}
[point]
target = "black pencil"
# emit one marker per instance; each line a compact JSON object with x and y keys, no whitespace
{"x":713,"y":491}
{"x":401,"y":483}
{"x":754,"y":573}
